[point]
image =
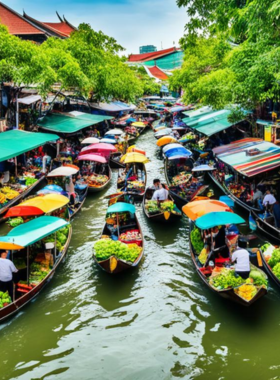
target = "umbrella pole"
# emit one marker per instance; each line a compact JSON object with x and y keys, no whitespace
{"x":28,"y":266}
{"x":55,"y":247}
{"x":118,"y":225}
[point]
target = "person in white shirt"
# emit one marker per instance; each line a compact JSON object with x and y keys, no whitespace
{"x":161,"y":194}
{"x":242,"y":258}
{"x":7,"y":268}
{"x":269,"y":199}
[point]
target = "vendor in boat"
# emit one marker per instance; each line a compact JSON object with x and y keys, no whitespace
{"x":96,"y":133}
{"x":161,"y":194}
{"x":156,"y":184}
{"x":269,"y":200}
{"x":257,"y":196}
{"x":242,"y":258}
{"x":219,"y":242}
{"x":7,"y":268}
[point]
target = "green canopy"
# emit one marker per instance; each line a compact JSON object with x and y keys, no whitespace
{"x":198,"y":112}
{"x":206,"y":119}
{"x":264,"y":122}
{"x":70,"y":124}
{"x":16,"y":142}
{"x":121,"y":207}
{"x":33,"y":231}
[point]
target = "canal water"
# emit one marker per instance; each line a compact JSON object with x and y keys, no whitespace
{"x":156,"y":322}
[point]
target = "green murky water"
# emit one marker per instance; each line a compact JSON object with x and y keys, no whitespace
{"x":157,"y":322}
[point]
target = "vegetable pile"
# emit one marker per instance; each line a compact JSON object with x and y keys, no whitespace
{"x":7,"y":194}
{"x":226,"y":279}
{"x":181,"y":178}
{"x":275,"y":258}
{"x":153,"y":208}
{"x":196,"y":240}
{"x":61,"y":238}
{"x":14,"y":222}
{"x":130,"y":236}
{"x":105,"y":248}
{"x":5,"y":299}
{"x":30,"y":181}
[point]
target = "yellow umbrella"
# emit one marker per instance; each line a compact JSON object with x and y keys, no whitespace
{"x":10,"y":246}
{"x":196,"y":209}
{"x":166,"y":140}
{"x":139,"y":124}
{"x":47,"y":203}
{"x":134,"y":157}
{"x":133,"y":148}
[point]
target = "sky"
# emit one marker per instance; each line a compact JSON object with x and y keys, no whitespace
{"x":132,"y":23}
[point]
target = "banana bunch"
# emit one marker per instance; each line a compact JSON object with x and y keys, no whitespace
{"x":6,"y":190}
{"x":9,"y":193}
{"x":2,"y":198}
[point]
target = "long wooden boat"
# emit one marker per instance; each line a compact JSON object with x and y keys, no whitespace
{"x":175,"y":191}
{"x":160,"y":216}
{"x":115,"y":161}
{"x":97,"y":188}
{"x":76,"y":207}
{"x":225,"y":293}
{"x":20,"y":197}
{"x":138,"y":195}
{"x":25,"y":298}
{"x":265,"y":225}
{"x":114,"y":265}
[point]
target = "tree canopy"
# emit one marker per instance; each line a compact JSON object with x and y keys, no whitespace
{"x":231,"y":52}
{"x":88,"y":62}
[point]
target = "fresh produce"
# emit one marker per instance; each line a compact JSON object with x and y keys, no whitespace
{"x":8,"y":194}
{"x":5,"y":299}
{"x":30,"y":181}
{"x":130,"y":236}
{"x":226,"y":279}
{"x":105,"y":248}
{"x":14,"y":222}
{"x":181,"y":178}
{"x":167,"y":206}
{"x":97,"y":180}
{"x":265,"y":246}
{"x":276,"y":270}
{"x":275,"y":258}
{"x":258,"y":278}
{"x":152,"y":207}
{"x":203,"y":256}
{"x":196,"y":240}
{"x":246,"y":291}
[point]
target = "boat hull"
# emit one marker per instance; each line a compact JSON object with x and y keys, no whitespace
{"x":10,"y":310}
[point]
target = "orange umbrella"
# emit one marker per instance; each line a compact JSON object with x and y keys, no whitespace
{"x":197,"y":209}
{"x":166,"y":140}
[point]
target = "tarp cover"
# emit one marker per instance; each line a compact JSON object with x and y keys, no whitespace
{"x":30,"y":232}
{"x":70,"y":124}
{"x":16,"y":142}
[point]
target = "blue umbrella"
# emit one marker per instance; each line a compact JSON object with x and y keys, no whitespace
{"x":130,"y":120}
{"x":121,"y":207}
{"x":214,"y":219}
{"x":51,"y":189}
{"x":178,"y":151}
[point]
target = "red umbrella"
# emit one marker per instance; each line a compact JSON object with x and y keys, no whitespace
{"x":102,"y":147}
{"x":17,"y":211}
{"x":92,"y":157}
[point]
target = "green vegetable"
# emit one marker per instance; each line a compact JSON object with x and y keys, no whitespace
{"x":14,"y":222}
{"x":105,"y":248}
{"x":4,"y":298}
{"x":265,"y":246}
{"x":275,"y":258}
{"x":30,"y":181}
{"x":276,"y":270}
{"x":258,"y":277}
{"x":196,"y":240}
{"x":226,"y":280}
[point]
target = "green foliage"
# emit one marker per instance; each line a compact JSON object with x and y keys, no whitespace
{"x":276,"y":270}
{"x":106,"y":248}
{"x":87,"y":62}
{"x":196,"y":240}
{"x":227,"y":280}
{"x":275,"y":258}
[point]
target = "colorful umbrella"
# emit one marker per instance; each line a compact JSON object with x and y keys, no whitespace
{"x":114,"y":132}
{"x":47,"y":203}
{"x":134,"y":157}
{"x":93,"y":157}
{"x":121,"y":207}
{"x":166,"y":140}
{"x":51,"y":189}
{"x":20,"y":210}
{"x":63,"y":171}
{"x":90,"y":140}
{"x":139,"y":124}
{"x":196,"y":209}
{"x":171,"y":146}
{"x":221,"y":218}
{"x":98,"y":147}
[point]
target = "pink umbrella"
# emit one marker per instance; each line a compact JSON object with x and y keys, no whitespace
{"x":93,"y":157}
{"x":102,"y":147}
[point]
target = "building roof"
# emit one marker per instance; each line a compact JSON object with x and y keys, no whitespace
{"x":16,"y":23}
{"x":61,"y":29}
{"x":149,"y":56}
{"x":156,"y":72}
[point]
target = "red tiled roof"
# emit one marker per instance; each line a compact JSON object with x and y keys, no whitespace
{"x":157,"y":72}
{"x":16,"y":23}
{"x":61,"y":27}
{"x":150,"y":56}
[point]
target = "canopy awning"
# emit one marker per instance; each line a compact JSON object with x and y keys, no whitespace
{"x":29,"y":99}
{"x":199,"y":112}
{"x":250,"y":158}
{"x":70,"y":123}
{"x":121,"y":207}
{"x":16,"y":142}
{"x":31,"y":232}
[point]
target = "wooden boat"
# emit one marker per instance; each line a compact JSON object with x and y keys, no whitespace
{"x":127,"y":185}
{"x":28,"y":234}
{"x":113,"y":264}
{"x":94,"y":188}
{"x":78,"y":195}
{"x":115,"y":161}
{"x":160,"y":216}
{"x":187,"y":190}
{"x":229,"y":294}
{"x":21,"y":196}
